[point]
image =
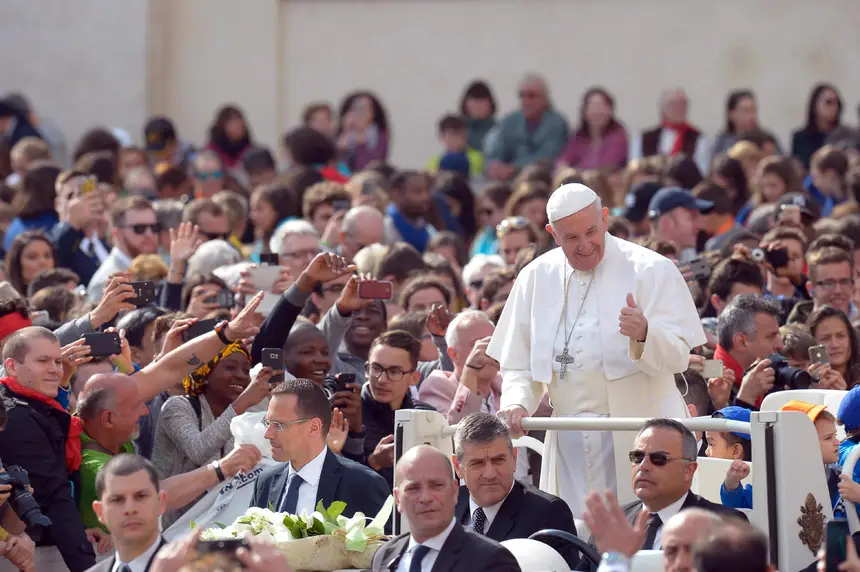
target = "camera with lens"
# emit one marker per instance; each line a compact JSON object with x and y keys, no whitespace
{"x":787,"y":376}
{"x":20,"y":499}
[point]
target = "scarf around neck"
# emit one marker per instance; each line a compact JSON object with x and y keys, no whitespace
{"x":681,"y":129}
{"x":76,"y":427}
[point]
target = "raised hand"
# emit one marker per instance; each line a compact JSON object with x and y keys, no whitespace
{"x":609,"y":525}
{"x":74,"y":354}
{"x":325,"y":267}
{"x":241,"y":459}
{"x":737,"y":472}
{"x":122,"y":361}
{"x":114,"y":300}
{"x":632,"y":322}
{"x":198,"y":306}
{"x":383,"y":455}
{"x":184,"y":241}
{"x":173,"y":338}
{"x":338,"y":431}
{"x":720,"y":388}
{"x":349,"y":301}
{"x":438,"y":320}
{"x":246,"y":324}
{"x":757,"y":382}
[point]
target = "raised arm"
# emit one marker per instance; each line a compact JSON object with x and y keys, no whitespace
{"x":184,"y":360}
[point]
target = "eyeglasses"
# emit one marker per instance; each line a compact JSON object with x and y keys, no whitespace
{"x":215,"y":235}
{"x":214,"y":175}
{"x":299,"y":254}
{"x":831,"y":284}
{"x":659,"y":458}
{"x":375,"y":370}
{"x":280,"y":426}
{"x":512,"y":223}
{"x":155,"y":228}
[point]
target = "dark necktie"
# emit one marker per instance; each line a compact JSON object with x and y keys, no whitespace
{"x":123,"y":568}
{"x":417,"y":556}
{"x":654,"y":524}
{"x":291,"y":497}
{"x":479,"y":519}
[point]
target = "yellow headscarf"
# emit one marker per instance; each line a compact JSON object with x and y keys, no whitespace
{"x":196,"y":382}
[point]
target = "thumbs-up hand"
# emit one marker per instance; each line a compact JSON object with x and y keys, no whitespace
{"x":632,"y":322}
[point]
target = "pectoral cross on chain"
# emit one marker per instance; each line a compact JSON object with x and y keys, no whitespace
{"x":564,"y":359}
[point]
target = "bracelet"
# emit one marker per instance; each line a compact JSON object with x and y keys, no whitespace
{"x":220,"y":329}
{"x":218,"y":472}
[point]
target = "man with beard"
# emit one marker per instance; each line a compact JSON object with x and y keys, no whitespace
{"x":406,"y":217}
{"x":135,"y":231}
{"x":620,"y":322}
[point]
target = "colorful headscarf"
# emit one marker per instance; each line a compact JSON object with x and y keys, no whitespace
{"x":196,"y":382}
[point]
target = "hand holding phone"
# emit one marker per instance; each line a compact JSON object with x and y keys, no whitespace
{"x":712,"y":368}
{"x":103,"y":344}
{"x":344,"y":379}
{"x":375,"y":290}
{"x":273,"y":358}
{"x":818,"y":355}
{"x":145,"y":293}
{"x":199,"y":328}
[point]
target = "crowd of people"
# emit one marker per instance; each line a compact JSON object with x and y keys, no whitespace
{"x":382,"y":287}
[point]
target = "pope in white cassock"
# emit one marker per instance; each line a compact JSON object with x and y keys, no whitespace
{"x":603,"y":325}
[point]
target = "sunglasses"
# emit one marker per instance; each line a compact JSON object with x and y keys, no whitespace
{"x":216,"y":175}
{"x":512,"y":223}
{"x":155,"y":228}
{"x":659,"y":458}
{"x":215,"y":235}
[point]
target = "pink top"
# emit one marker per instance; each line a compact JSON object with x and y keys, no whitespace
{"x":610,"y":152}
{"x":444,"y":392}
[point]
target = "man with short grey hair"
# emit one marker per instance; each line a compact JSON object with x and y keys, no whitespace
{"x":212,"y":255}
{"x":748,"y":332}
{"x":474,"y":272}
{"x":297,"y":242}
{"x":362,"y":226}
{"x":475,"y":384}
{"x":493,"y":503}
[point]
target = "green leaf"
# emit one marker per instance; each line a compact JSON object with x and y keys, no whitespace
{"x":318,"y":528}
{"x":219,"y":525}
{"x":330,"y":527}
{"x":320,"y":507}
{"x":335,"y":509}
{"x":271,"y":506}
{"x":245,"y":519}
{"x":193,"y":525}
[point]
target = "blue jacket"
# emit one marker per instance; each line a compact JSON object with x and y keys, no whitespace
{"x":18,"y":225}
{"x":827,"y":203}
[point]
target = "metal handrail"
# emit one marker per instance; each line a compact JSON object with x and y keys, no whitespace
{"x":618,"y":424}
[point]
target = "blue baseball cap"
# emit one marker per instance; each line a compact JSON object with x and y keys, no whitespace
{"x":735,"y":413}
{"x":849,"y":410}
{"x":668,"y":199}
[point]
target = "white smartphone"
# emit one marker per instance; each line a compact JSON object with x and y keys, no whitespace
{"x":713,"y":368}
{"x":264,"y":277}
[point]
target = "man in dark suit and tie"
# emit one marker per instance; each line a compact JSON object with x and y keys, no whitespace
{"x":663,"y":464}
{"x":426,"y":495}
{"x":297,"y":423}
{"x":492,"y":503}
{"x":130,"y":503}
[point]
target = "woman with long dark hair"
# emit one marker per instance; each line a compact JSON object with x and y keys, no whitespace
{"x":478,"y":108}
{"x":600,"y":140}
{"x":822,"y":118}
{"x":832,"y":329}
{"x":31,"y":252}
{"x":741,"y":119}
{"x":34,"y":202}
{"x":363,"y":135}
{"x":229,"y":136}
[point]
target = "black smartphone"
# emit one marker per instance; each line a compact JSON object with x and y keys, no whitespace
{"x":340,"y":205}
{"x":342,"y":380}
{"x":837,"y":539}
{"x":197,"y":329}
{"x":227,"y":547}
{"x":224,"y":299}
{"x":103,"y":344}
{"x":274,"y":358}
{"x":777,"y":257}
{"x":700,"y":268}
{"x":270,"y":259}
{"x":145,"y":292}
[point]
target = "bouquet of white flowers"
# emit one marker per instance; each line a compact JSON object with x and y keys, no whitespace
{"x":324,"y":540}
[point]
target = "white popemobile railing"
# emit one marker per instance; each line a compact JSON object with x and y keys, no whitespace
{"x":791,"y":500}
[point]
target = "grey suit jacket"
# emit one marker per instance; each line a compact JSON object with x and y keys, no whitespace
{"x":463,"y":551}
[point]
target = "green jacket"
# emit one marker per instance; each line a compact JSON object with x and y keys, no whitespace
{"x":92,"y":461}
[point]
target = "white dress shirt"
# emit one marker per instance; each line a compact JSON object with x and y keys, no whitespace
{"x":309,"y":486}
{"x":665,"y":515}
{"x":434,"y":544}
{"x":140,"y":563}
{"x":490,"y":512}
{"x":701,"y":154}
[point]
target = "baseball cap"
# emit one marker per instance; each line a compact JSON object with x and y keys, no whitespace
{"x":159,"y":131}
{"x":455,"y":162}
{"x":812,"y":411}
{"x":735,"y":413}
{"x":808,"y":207}
{"x":637,"y":200}
{"x":668,"y":199}
{"x":849,"y":410}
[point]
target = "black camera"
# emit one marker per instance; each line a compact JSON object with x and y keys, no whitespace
{"x":788,"y":377}
{"x":20,"y":499}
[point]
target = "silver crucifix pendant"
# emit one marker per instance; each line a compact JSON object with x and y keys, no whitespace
{"x":564,"y":359}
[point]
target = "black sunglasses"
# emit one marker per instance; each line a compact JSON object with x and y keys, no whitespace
{"x":659,"y":458}
{"x":142,"y":228}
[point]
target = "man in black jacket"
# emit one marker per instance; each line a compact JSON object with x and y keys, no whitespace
{"x":426,"y":495}
{"x":494,"y":504}
{"x":40,"y":437}
{"x":75,"y":237}
{"x":392,"y":369}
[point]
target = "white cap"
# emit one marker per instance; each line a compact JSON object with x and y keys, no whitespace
{"x":567,"y":200}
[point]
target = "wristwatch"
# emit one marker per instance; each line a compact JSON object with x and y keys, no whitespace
{"x":220,"y":329}
{"x":218,"y":472}
{"x":615,"y":562}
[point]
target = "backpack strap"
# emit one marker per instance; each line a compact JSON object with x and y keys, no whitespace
{"x":194,"y":400}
